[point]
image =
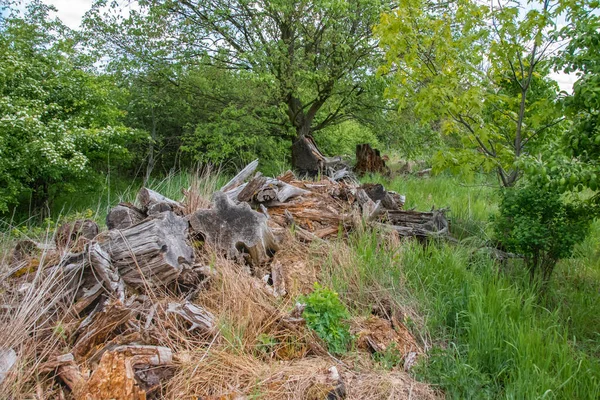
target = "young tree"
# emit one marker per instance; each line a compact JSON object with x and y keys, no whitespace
{"x":479,"y":69}
{"x":315,"y":59}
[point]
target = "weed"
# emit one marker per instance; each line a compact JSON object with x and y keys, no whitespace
{"x":327,"y":316}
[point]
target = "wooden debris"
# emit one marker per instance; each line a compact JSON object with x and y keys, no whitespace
{"x":100,"y":327}
{"x":377,"y":192}
{"x":123,"y":216}
{"x":68,"y":234}
{"x":232,"y":228}
{"x":8,"y":358}
{"x":369,"y":160}
{"x":307,"y":159}
{"x":197,"y":316}
{"x":249,"y":191}
{"x":241,"y":176}
{"x":153,"y":202}
{"x":152,"y":253}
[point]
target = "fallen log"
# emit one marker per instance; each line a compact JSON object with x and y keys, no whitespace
{"x":234,"y":229}
{"x":151,"y":253}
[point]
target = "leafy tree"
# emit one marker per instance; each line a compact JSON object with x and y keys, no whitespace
{"x":315,"y":60}
{"x":58,"y":122}
{"x":572,"y":161}
{"x":541,"y":225}
{"x":481,"y":72}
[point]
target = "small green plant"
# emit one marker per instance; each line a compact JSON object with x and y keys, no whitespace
{"x":266,"y":344}
{"x":327,"y":316}
{"x":540,"y":225}
{"x":388,"y":358}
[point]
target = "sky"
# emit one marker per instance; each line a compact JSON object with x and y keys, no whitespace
{"x":71,"y":11}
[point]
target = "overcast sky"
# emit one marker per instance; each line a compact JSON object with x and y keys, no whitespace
{"x":71,"y":12}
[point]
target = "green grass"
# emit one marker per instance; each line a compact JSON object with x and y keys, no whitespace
{"x":493,"y":335}
{"x":469,"y":204}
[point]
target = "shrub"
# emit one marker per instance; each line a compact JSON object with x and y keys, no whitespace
{"x":339,"y":140}
{"x":327,"y":316}
{"x":540,"y":225}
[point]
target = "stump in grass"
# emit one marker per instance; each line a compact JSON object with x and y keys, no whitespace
{"x":369,"y":160}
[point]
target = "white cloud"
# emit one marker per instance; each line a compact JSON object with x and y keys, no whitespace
{"x":70,"y":12}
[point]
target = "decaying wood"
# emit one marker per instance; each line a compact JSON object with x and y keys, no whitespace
{"x":241,"y":176}
{"x":69,"y":233}
{"x":199,"y":318}
{"x":418,"y":224}
{"x":105,"y":271}
{"x":100,"y":327}
{"x":249,"y":190}
{"x":123,"y":216}
{"x":287,"y":177}
{"x":369,"y":160}
{"x":377,"y":192}
{"x":231,"y":228}
{"x":278,"y":278}
{"x":151,"y":253}
{"x":153,"y":202}
{"x":307,"y":158}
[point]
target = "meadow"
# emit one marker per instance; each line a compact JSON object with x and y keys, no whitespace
{"x":488,"y":333}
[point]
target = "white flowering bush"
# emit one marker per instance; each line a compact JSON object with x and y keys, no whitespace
{"x":58,"y":121}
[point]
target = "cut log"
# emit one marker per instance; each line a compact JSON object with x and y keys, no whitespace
{"x":231,"y":228}
{"x":152,"y":202}
{"x":151,"y":253}
{"x":266,"y":194}
{"x":369,"y":160}
{"x":241,"y":176}
{"x":68,"y":234}
{"x":123,"y":216}
{"x":198,"y":317}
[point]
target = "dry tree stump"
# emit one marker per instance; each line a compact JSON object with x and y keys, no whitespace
{"x":152,"y":253}
{"x":234,"y":228}
{"x":369,"y":160}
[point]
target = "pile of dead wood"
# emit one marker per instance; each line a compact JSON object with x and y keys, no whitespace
{"x":109,"y":279}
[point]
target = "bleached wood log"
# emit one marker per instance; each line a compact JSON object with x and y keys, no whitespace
{"x":285,"y":191}
{"x":198,"y":317}
{"x":151,"y":253}
{"x":232,"y":227}
{"x":241,"y":176}
{"x":123,"y":216}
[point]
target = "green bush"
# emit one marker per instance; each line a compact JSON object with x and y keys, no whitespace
{"x":540,"y":225}
{"x":342,"y":139}
{"x":327,"y":316}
